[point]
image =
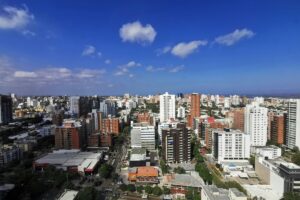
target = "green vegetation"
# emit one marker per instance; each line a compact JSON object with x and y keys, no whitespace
{"x":252,"y":161}
{"x":166,"y":190}
{"x":291,"y":196}
{"x":87,"y":193}
{"x":192,"y":194}
{"x":157,"y":191}
{"x":140,"y":189}
{"x":154,"y":107}
{"x":148,"y":189}
{"x":131,"y":188}
{"x":105,"y":170}
{"x":201,"y":167}
{"x":164,"y":167}
{"x":179,"y":170}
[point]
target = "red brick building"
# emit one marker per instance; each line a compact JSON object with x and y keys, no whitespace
{"x":100,"y":140}
{"x":277,"y":129}
{"x":69,"y":136}
{"x":195,"y":108}
{"x":111,"y":126}
{"x":144,"y":117}
{"x":238,"y":119}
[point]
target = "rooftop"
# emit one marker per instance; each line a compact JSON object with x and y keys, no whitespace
{"x":147,"y":171}
{"x":68,"y":195}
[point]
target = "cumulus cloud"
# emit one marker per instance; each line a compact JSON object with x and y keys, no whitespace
{"x":107,"y":61}
{"x":176,"y":69}
{"x":25,"y":74}
{"x":88,"y":50}
{"x":136,"y":32}
{"x":183,"y":49}
{"x":15,"y":18}
{"x":125,"y":69}
{"x":164,"y":50}
{"x":234,"y":37}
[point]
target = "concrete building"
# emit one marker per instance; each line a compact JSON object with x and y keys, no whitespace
{"x":278,"y":129}
{"x":238,"y":119}
{"x":9,"y":153}
{"x":181,"y":112}
{"x":256,"y":124}
{"x":230,"y":145}
{"x":74,"y":105}
{"x":5,"y":109}
{"x":167,"y":107}
{"x":270,"y":152}
{"x":293,"y":124}
{"x":195,"y":108}
{"x":176,"y":144}
{"x":212,"y":192}
{"x":70,"y":135}
{"x":142,"y":136}
{"x":111,"y":125}
{"x":108,"y":108}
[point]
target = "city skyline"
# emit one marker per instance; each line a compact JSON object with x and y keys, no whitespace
{"x":111,"y":48}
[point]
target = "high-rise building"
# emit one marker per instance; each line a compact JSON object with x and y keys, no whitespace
{"x":70,"y":135}
{"x":74,"y":105}
{"x":108,"y":108}
{"x":167,"y":107}
{"x":277,"y":129}
{"x":256,"y":124}
{"x":176,"y":144}
{"x":142,"y":136}
{"x":195,"y":105}
{"x":271,"y":115}
{"x":238,"y":119}
{"x":5,"y":109}
{"x":293,"y":124}
{"x":181,"y":112}
{"x":111,"y":125}
{"x":230,"y":145}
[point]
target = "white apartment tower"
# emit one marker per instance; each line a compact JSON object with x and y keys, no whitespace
{"x":293,"y":124}
{"x":74,"y":104}
{"x":167,"y":107}
{"x":230,"y":145}
{"x":181,"y":112}
{"x":256,"y":124}
{"x":142,"y":135}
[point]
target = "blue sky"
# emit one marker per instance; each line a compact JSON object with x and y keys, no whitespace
{"x":142,"y":47}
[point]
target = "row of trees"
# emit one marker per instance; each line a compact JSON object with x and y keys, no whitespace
{"x":156,"y":190}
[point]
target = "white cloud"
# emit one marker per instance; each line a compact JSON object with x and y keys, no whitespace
{"x":131,"y":75}
{"x":107,"y":61}
{"x":183,"y":49}
{"x":25,"y":74}
{"x":136,"y":32}
{"x":88,"y":50}
{"x":234,"y":37}
{"x":176,"y":69}
{"x":88,"y":73}
{"x":154,"y":69}
{"x":125,"y":69}
{"x":28,"y":33}
{"x":164,"y":50}
{"x":15,"y":18}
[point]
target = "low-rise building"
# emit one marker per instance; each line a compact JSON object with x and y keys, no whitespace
{"x":143,"y":175}
{"x":9,"y":153}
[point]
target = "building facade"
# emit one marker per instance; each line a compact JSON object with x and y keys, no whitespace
{"x":176,"y":144}
{"x":167,"y":107}
{"x":293,"y":124}
{"x":256,"y":124}
{"x":277,"y":129}
{"x":5,"y":109}
{"x":230,"y":145}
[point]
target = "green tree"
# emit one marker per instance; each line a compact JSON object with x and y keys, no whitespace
{"x":179,"y":170}
{"x":123,"y":187}
{"x":157,"y":191}
{"x":148,"y":189}
{"x":164,"y":167}
{"x":105,"y":170}
{"x":166,"y":190}
{"x":131,"y":188}
{"x":192,"y":194}
{"x":296,"y":158}
{"x":291,"y":196}
{"x":139,"y":189}
{"x":87,"y":193}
